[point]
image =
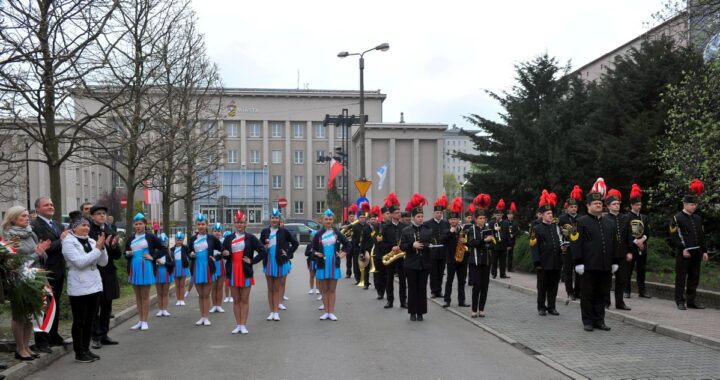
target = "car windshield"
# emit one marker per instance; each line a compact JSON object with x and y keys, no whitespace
{"x":313,"y":225}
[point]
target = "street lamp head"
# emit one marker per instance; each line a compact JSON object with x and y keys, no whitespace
{"x":383,"y":46}
{"x":464,"y":183}
{"x":343,"y":54}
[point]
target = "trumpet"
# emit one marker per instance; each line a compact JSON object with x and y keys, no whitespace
{"x":498,"y":229}
{"x":461,"y":247}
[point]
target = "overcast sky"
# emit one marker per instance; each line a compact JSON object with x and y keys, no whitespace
{"x":443,"y":54}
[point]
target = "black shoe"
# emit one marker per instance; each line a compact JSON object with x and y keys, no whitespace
{"x":57,"y":341}
{"x":494,"y":276}
{"x":463,"y":304}
{"x":644,"y":295}
{"x":403,"y":305}
{"x":626,"y":295}
{"x":607,"y":306}
{"x":379,"y":297}
{"x":446,"y":304}
{"x":681,"y":306}
{"x":588,"y":328}
{"x":366,"y":287}
{"x":504,"y":276}
{"x":413,"y":317}
{"x":388,"y":305}
{"x":24,"y":358}
{"x":83,"y":358}
{"x":419,"y":317}
{"x":695,"y":305}
{"x":96,"y":344}
{"x":601,"y":326}
{"x":35,"y":355}
{"x":92,"y":355}
{"x":356,"y":281}
{"x":434,"y":295}
{"x":573,"y":297}
{"x":623,"y":307}
{"x":45,"y":349}
{"x":347,"y":276}
{"x":3,"y":366}
{"x":107,"y":341}
{"x":542,"y":312}
{"x":553,"y":312}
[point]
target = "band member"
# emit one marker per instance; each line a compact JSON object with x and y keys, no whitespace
{"x":202,"y":255}
{"x":502,"y":238}
{"x":469,"y":222}
{"x":513,"y":231}
{"x":108,"y":274}
{"x":455,"y":256}
{"x":182,"y":265}
{"x":330,"y":246}
{"x":164,"y":276}
{"x":389,"y":241}
{"x":352,"y":217}
{"x":280,"y":245}
{"x":141,"y":250}
{"x":547,"y":248}
{"x":568,"y":226}
{"x":441,"y":233}
{"x":380,"y":275}
{"x":688,"y":240}
{"x":595,"y":259}
{"x":362,"y":244}
{"x":622,"y":238}
{"x":638,"y":244}
{"x":216,"y":294}
{"x":239,"y":251}
{"x":309,"y":258}
{"x":415,"y":242}
{"x":480,"y":242}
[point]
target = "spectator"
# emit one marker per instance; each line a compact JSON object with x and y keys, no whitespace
{"x":47,"y":229}
{"x":16,"y":229}
{"x":33,"y":215}
{"x":108,"y":274}
{"x":111,"y":222}
{"x":83,"y":255}
{"x":85,"y":209}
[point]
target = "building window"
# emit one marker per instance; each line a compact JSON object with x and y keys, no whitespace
{"x":92,"y":178}
{"x":85,"y":178}
{"x":340,"y":181}
{"x":298,"y":130}
{"x":276,"y":130}
{"x":320,"y":131}
{"x":341,"y":131}
{"x":319,"y":181}
{"x":232,"y":130}
{"x":299,"y":182}
{"x":277,"y":182}
{"x":254,"y":157}
{"x":299,"y":207}
{"x":232,"y":156}
{"x":319,"y":154}
{"x":100,"y":183}
{"x":119,"y":183}
{"x":299,"y":157}
{"x":254,"y":129}
{"x":277,"y":157}
{"x":319,"y":207}
{"x":212,"y":129}
{"x":77,"y":176}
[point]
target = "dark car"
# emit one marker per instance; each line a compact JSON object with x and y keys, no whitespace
{"x":308,"y":222}
{"x":302,"y":232}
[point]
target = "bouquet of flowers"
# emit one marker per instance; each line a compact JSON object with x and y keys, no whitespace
{"x":24,"y":286}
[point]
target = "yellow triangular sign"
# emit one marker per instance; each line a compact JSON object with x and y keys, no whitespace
{"x":362,"y":186}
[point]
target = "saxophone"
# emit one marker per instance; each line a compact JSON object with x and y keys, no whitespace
{"x":461,"y":247}
{"x":393,"y":256}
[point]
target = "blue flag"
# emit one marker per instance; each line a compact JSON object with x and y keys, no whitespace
{"x":382,"y":173}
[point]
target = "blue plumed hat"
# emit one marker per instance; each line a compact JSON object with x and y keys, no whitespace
{"x":217,"y":227}
{"x":276,"y":213}
{"x":227,"y":233}
{"x":200,"y":217}
{"x":139,"y":217}
{"x":179,"y":235}
{"x":328,"y":213}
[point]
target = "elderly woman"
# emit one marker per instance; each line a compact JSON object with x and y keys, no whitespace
{"x":83,"y":255}
{"x":16,"y":229}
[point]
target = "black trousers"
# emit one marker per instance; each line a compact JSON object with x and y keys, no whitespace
{"x":101,"y":322}
{"x":499,"y":258}
{"x":417,"y":290}
{"x":390,"y":270}
{"x":380,"y":277}
{"x":687,"y":276}
{"x":510,"y":254}
{"x":595,"y":290}
{"x":571,"y":278}
{"x":621,"y":281}
{"x":57,"y":282}
{"x":84,"y":309}
{"x":351,"y":258}
{"x":480,"y":276}
{"x":547,"y":286}
{"x":459,"y":270}
{"x":639,"y":262}
{"x":437,"y":270}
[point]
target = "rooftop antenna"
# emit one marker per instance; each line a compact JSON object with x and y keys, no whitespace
{"x":402,"y":117}
{"x":298,"y":78}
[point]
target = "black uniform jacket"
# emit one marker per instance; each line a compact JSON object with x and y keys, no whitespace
{"x":391,"y":235}
{"x":286,"y":243}
{"x":417,"y":259}
{"x":452,"y":242}
{"x":362,"y":240}
{"x":547,"y":252}
{"x":622,"y":233}
{"x":341,"y":244}
{"x":645,"y":220}
{"x":502,"y":237}
{"x":686,"y":231}
{"x":595,"y":246}
{"x":480,"y":250}
{"x":184,"y":258}
{"x":252,"y":245}
{"x":440,"y":234}
{"x":108,"y":273}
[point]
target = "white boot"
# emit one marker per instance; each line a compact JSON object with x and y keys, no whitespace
{"x":213,"y":309}
{"x":200,"y":322}
{"x":321,"y":307}
{"x":159,"y":313}
{"x":136,"y":326}
{"x":236,"y":329}
{"x":144,"y":326}
{"x":324,"y":316}
{"x":243,"y":329}
{"x":166,"y":313}
{"x":285,"y":298}
{"x":270,"y":317}
{"x":282,"y":307}
{"x":276,"y":317}
{"x":219,"y":309}
{"x":206,"y":322}
{"x":333,"y":317}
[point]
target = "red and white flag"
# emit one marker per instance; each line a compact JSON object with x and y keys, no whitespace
{"x":335,"y":169}
{"x":152,"y":196}
{"x":44,"y":321}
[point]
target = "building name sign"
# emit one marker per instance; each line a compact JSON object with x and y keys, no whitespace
{"x":233,"y":109}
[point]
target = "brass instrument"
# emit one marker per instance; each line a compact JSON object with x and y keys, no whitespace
{"x":498,"y":231}
{"x":347,"y":229}
{"x":461,"y":247}
{"x":378,"y":239}
{"x":393,"y":256}
{"x":637,"y":228}
{"x":363,"y":261}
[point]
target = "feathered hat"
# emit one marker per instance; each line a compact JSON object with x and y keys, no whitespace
{"x":576,"y":196}
{"x":365,"y":209}
{"x":612,"y":196}
{"x":635,"y":194}
{"x":470,"y":210}
{"x":456,"y":208}
{"x":200,"y":217}
{"x":392,"y":203}
{"x":513,"y":208}
{"x":353,"y":209}
{"x":415,"y":206}
{"x":500,"y":207}
{"x":482,"y":201}
{"x":376,"y":212}
{"x":597,"y":192}
{"x":441,"y":203}
{"x":547,"y":201}
{"x":239,"y":216}
{"x":697,"y":188}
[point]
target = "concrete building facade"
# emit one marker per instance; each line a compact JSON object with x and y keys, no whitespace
{"x":456,"y":142}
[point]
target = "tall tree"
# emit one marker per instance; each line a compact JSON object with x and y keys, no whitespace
{"x":49,"y":51}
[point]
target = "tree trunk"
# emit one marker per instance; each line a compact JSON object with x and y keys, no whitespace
{"x":130,"y":210}
{"x":188,"y":202}
{"x":56,"y":191}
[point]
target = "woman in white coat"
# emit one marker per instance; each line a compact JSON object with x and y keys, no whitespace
{"x":84,"y":284}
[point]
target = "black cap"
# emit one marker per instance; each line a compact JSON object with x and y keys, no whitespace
{"x":690,"y":198}
{"x":97,"y":208}
{"x":383,"y":209}
{"x":405,"y":214}
{"x":392,"y":208}
{"x":594,"y":196}
{"x":452,"y":214}
{"x":479,"y":212}
{"x":417,"y":210}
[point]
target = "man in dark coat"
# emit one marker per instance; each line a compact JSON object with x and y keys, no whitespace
{"x":639,"y":234}
{"x":108,"y":274}
{"x":438,"y":246}
{"x":547,"y":248}
{"x":622,"y":244}
{"x":362,"y":244}
{"x":415,"y":242}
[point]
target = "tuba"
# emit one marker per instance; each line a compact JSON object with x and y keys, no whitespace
{"x":461,"y":247}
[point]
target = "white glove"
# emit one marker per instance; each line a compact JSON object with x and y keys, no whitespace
{"x":615,"y":268}
{"x":580,"y":269}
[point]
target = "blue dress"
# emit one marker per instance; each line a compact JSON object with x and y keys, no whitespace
{"x":330,"y":271}
{"x":203,"y":272}
{"x":141,"y":269}
{"x":179,"y":270}
{"x":164,"y":276}
{"x":272,"y":269}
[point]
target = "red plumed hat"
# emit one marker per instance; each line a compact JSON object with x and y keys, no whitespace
{"x":599,"y":186}
{"x":635,"y":193}
{"x":441,"y":203}
{"x":375,"y":211}
{"x":456,"y":207}
{"x":697,"y":188}
{"x":547,"y":201}
{"x":513,"y":208}
{"x":239,"y":216}
{"x":415,"y":206}
{"x":353,"y":209}
{"x":483,"y":201}
{"x":392,"y":200}
{"x":365,"y":209}
{"x":500,"y":206}
{"x":470,"y":210}
{"x":576,"y":196}
{"x":612,"y":196}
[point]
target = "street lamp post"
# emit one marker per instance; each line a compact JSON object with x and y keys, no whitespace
{"x":361,"y":131}
{"x":462,"y":196}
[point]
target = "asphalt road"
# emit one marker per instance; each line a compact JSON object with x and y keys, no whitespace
{"x":367,"y":342}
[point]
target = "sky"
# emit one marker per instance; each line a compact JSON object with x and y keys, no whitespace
{"x":443,"y":57}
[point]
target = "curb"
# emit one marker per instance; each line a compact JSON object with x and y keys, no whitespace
{"x":24,"y":369}
{"x":669,"y":331}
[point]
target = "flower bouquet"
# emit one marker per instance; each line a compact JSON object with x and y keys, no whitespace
{"x":24,"y":286}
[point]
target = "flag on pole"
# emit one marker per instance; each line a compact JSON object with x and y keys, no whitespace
{"x":152,"y":196}
{"x":335,"y":169}
{"x":382,"y":173}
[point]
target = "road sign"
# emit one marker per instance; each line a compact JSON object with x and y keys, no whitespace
{"x":362,"y":186}
{"x":282,"y":202}
{"x":123,"y":202}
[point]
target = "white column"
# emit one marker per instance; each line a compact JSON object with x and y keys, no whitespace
{"x":391,"y":185}
{"x":416,"y":166}
{"x":309,"y":164}
{"x":243,"y":143}
{"x":288,"y":167}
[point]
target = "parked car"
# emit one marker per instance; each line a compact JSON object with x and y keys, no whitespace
{"x":308,"y":222}
{"x":302,"y":232}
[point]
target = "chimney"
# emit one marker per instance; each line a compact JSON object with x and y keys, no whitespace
{"x":402,"y":117}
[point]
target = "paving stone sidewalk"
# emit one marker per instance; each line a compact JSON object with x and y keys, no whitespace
{"x":627,"y":351}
